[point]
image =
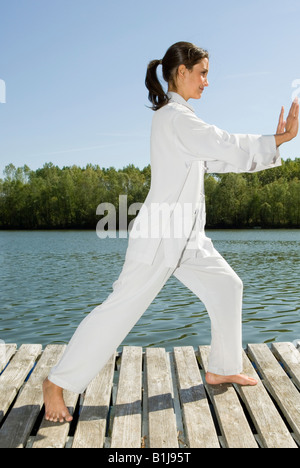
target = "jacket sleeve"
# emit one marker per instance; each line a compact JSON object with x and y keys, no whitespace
{"x":222,"y":151}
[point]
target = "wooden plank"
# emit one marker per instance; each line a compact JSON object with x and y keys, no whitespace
{"x":21,"y":364}
{"x":21,"y":418}
{"x":7,"y":391}
{"x":296,"y":343}
{"x":3,"y":360}
{"x":49,"y":358}
{"x":145,"y":418}
{"x":199,"y":426}
{"x":7,"y":395}
{"x":290,"y":358}
{"x":176,"y":400}
{"x":51,"y":434}
{"x":15,"y":374}
{"x":271,"y":430}
{"x":278,"y":384}
{"x":161,"y":411}
{"x":127,"y":423}
{"x":162,"y":421}
{"x":18,"y":425}
{"x":6,"y":353}
{"x":11,"y":349}
{"x":232,"y":420}
{"x":91,"y":426}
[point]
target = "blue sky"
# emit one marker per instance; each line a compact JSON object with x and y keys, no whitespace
{"x":74,"y":72}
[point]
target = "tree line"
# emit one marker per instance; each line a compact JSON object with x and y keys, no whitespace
{"x":67,"y":198}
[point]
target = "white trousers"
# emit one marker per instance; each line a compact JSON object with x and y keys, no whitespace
{"x":105,"y":328}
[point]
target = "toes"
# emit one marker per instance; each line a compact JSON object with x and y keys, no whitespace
{"x":250,"y":381}
{"x":57,"y":417}
{"x":254,"y":381}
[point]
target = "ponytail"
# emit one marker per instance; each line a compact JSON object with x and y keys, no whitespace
{"x":180,"y":53}
{"x":157,"y":95}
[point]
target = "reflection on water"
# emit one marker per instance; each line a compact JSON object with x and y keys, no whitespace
{"x":51,"y":279}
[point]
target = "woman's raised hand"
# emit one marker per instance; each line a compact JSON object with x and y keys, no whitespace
{"x":292,"y":121}
{"x":281,"y":123}
{"x":288,"y":129}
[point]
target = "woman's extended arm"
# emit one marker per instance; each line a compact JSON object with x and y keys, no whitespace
{"x":226,"y":152}
{"x":287,"y":130}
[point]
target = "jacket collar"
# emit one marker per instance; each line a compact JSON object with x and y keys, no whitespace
{"x":175,"y":97}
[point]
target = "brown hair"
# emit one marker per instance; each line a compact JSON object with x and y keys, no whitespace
{"x":180,"y":53}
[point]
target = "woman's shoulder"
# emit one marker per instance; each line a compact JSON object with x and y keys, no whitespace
{"x":165,"y":113}
{"x":171,"y":110}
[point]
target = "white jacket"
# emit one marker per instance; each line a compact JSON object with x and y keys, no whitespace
{"x":183,"y":149}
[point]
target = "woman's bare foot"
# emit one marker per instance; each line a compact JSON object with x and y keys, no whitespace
{"x":215,"y":379}
{"x":55,"y":408}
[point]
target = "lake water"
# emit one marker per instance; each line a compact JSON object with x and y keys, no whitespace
{"x":51,"y":279}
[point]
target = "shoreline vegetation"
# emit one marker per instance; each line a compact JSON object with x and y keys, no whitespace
{"x":67,"y":198}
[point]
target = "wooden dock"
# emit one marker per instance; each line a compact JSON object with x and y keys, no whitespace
{"x":154,"y":399}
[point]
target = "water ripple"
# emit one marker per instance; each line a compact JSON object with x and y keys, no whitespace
{"x":51,"y":280}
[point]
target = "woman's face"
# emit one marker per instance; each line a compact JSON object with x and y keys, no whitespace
{"x":191,"y":83}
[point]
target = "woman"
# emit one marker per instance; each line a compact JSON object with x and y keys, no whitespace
{"x":168,"y":234}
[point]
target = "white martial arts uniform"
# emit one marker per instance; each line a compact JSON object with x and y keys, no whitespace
{"x":168,"y":238}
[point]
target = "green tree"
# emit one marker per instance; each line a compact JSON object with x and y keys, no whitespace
{"x":51,"y":197}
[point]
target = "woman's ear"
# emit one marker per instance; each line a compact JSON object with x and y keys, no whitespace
{"x":181,"y":70}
